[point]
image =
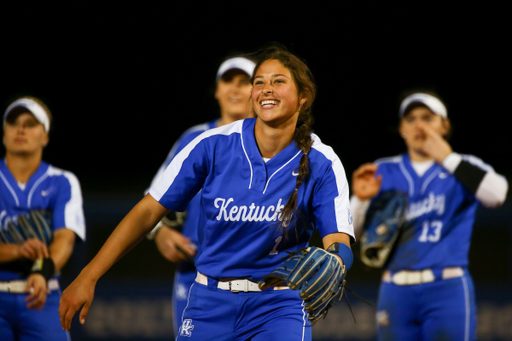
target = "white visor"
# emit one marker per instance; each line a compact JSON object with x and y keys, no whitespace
{"x":241,"y":63}
{"x":33,"y":107}
{"x":431,"y":102}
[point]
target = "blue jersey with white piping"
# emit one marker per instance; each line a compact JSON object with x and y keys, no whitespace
{"x":440,"y":214}
{"x":192,"y":219}
{"x":49,"y":188}
{"x":242,"y":197}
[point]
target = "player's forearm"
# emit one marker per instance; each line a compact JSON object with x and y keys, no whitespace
{"x":338,"y":237}
{"x":130,"y":231}
{"x":62,"y":247}
{"x":9,"y":252}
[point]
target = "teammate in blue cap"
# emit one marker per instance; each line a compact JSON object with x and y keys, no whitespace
{"x":40,"y":214}
{"x":266,"y":184}
{"x":233,"y":91}
{"x":427,"y":292}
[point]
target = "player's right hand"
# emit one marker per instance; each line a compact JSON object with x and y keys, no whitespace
{"x":33,"y":249}
{"x":169,"y":241}
{"x":36,"y":286}
{"x":365,"y":185}
{"x":79,"y":294}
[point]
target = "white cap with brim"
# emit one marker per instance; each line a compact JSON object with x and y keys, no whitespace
{"x":33,"y":107}
{"x":431,"y":102}
{"x":240,"y":63}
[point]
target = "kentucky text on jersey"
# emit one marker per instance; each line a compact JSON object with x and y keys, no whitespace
{"x":431,"y":203}
{"x":241,"y":197}
{"x":247,"y":213}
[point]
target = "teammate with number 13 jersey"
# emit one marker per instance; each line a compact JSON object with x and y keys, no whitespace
{"x":427,"y":292}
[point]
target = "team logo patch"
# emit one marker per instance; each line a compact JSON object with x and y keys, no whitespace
{"x":186,"y":328}
{"x":46,"y":192}
{"x":350,"y":218}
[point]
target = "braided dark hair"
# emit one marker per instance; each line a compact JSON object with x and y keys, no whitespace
{"x":302,"y":136}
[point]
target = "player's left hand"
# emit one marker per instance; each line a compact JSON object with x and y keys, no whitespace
{"x":435,"y":145}
{"x":79,"y":294}
{"x":36,"y":286}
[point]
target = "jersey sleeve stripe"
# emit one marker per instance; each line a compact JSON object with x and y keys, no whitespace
{"x":477,"y":162}
{"x":165,"y":181}
{"x":172,"y":152}
{"x":391,"y":159}
{"x":73,"y":211}
{"x":341,"y":202}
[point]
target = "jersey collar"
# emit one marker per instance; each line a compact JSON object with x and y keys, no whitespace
{"x":286,"y":160}
{"x":40,"y":171}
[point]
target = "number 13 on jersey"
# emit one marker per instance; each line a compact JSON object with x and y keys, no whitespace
{"x":431,"y":231}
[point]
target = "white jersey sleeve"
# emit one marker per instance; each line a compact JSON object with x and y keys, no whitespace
{"x":332,"y":194}
{"x":68,"y":211}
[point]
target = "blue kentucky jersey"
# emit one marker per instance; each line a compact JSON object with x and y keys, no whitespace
{"x":49,"y":188}
{"x":440,"y":214}
{"x":242,"y":197}
{"x":192,"y":220}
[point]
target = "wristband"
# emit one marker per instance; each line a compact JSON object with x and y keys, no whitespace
{"x":45,"y":267}
{"x":344,"y":252}
{"x":470,"y":175}
{"x":151,"y":235}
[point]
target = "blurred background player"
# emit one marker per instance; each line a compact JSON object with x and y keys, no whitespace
{"x":426,"y":291}
{"x":30,"y":257}
{"x":233,"y":92}
{"x":266,"y":184}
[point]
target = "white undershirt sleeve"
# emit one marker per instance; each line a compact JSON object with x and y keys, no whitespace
{"x":358,"y":208}
{"x":492,"y":191}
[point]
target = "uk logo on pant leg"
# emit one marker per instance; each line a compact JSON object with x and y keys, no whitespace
{"x":186,"y":328}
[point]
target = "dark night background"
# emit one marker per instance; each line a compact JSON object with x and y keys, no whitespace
{"x":124,"y":81}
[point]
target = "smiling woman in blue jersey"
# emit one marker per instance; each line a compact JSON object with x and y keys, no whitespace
{"x":266,"y":183}
{"x":40,"y":214}
{"x":427,"y":292}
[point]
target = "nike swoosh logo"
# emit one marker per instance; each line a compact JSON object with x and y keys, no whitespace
{"x":443,"y":175}
{"x":45,"y":193}
{"x":294,"y":173}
